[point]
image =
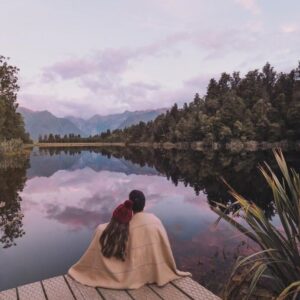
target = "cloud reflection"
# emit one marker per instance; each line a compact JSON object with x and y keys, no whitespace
{"x":76,"y":201}
{"x":86,"y":198}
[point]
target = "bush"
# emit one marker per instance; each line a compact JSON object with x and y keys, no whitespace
{"x":11,"y":146}
{"x":277,"y":265}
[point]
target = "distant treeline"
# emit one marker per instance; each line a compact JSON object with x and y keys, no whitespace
{"x":261,"y":106}
{"x":57,"y":138}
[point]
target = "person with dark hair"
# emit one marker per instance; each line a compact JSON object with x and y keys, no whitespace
{"x":138,"y":199}
{"x":131,"y":250}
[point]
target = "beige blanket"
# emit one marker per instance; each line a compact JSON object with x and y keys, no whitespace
{"x":149,"y":259}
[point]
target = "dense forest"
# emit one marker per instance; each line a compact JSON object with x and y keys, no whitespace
{"x":11,"y":122}
{"x":261,"y":106}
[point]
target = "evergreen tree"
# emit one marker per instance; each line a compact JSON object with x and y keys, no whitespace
{"x":11,"y":122}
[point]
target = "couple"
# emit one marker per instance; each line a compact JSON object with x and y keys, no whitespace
{"x":131,"y":250}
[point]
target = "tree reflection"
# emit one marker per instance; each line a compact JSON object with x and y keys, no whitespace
{"x":13,"y":178}
{"x":203,"y":171}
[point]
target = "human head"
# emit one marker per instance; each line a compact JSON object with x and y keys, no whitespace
{"x":115,"y":236}
{"x":138,"y":199}
{"x":123,"y":213}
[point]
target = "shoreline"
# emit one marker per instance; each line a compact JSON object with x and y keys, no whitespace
{"x":233,"y":145}
{"x":66,"y":145}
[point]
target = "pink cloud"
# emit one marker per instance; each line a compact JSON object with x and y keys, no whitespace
{"x":250,"y":5}
{"x":109,"y":61}
{"x":84,"y":198}
{"x":101,"y":83}
{"x":200,"y":82}
{"x":289,"y":28}
{"x":76,"y":217}
{"x":68,"y":69}
{"x":219,"y":44}
{"x":146,"y":86}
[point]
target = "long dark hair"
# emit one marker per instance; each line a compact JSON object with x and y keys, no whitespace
{"x":114,"y":239}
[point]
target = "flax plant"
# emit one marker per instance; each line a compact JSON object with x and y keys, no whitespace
{"x":276,"y":266}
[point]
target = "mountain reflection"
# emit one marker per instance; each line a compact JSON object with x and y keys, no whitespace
{"x":13,"y":178}
{"x":203,"y":171}
{"x":46,"y":162}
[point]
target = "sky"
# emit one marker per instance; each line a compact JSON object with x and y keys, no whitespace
{"x":91,"y":57}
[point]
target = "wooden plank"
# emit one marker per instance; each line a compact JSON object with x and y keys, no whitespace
{"x":114,"y":294}
{"x":143,"y":293}
{"x":9,"y":295}
{"x":194,"y":289}
{"x":83,"y":292}
{"x":169,"y":291}
{"x":31,"y":291}
{"x":56,"y":288}
{"x":64,"y":287}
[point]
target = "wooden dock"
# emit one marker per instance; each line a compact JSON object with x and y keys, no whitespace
{"x":65,"y":288}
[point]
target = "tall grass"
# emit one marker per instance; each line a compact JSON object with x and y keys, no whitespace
{"x":276,"y":266}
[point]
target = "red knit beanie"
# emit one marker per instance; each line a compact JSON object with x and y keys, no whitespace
{"x":123,"y":213}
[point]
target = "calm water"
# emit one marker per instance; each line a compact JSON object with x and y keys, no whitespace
{"x":54,"y":200}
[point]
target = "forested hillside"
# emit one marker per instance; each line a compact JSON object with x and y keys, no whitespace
{"x":262,"y":106}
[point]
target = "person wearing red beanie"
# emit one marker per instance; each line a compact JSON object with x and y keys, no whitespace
{"x":131,"y":250}
{"x":123,"y":213}
{"x":114,"y":238}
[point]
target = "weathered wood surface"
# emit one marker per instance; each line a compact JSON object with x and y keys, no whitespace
{"x":65,"y":288}
{"x":31,"y":291}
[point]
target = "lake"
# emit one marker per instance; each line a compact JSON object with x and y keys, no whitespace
{"x":55,"y":198}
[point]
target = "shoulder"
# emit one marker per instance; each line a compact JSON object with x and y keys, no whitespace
{"x":154,"y":218}
{"x":145,"y":219}
{"x":101,"y":227}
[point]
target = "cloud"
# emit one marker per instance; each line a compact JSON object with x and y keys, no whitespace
{"x":76,"y":217}
{"x":113,"y":80}
{"x":114,"y":98}
{"x":145,"y":86}
{"x":250,"y":5}
{"x":109,"y":61}
{"x":221,"y":44}
{"x":289,"y":28}
{"x":107,"y":97}
{"x":101,"y":81}
{"x":68,"y":69}
{"x":59,"y":105}
{"x":84,"y":198}
{"x":199,"y":82}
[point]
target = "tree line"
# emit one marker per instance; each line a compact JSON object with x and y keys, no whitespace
{"x":71,"y":138}
{"x":57,"y":138}
{"x":262,"y":106}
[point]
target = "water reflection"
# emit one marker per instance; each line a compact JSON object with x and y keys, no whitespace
{"x":46,"y":162}
{"x":69,"y":192}
{"x":204,"y":171}
{"x":13,"y":178}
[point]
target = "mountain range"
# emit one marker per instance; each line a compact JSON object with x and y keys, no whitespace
{"x":44,"y":122}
